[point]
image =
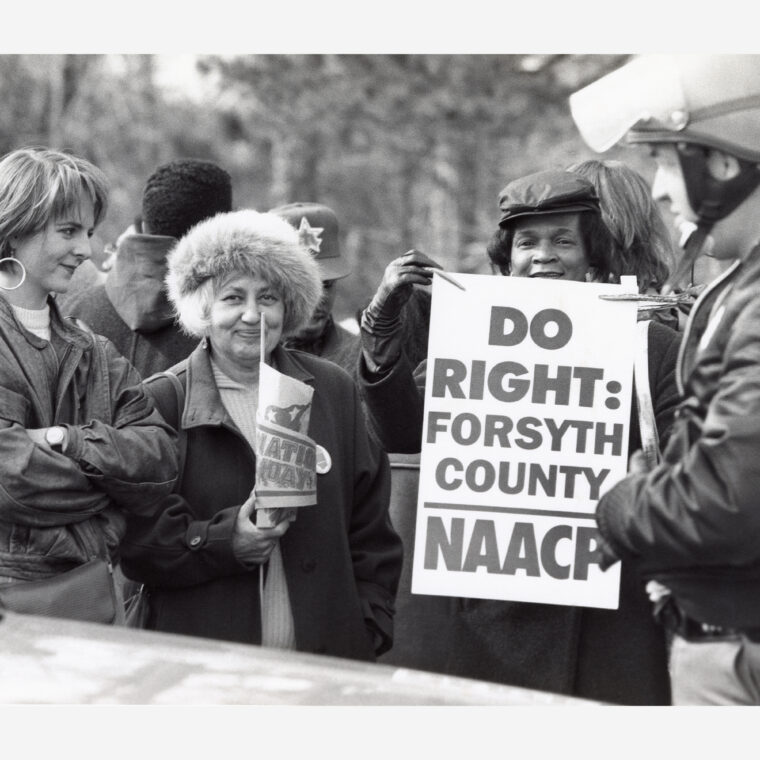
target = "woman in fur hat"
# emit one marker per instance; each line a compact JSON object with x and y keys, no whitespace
{"x":325,"y":582}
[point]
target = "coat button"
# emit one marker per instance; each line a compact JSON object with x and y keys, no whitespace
{"x":308,"y":565}
{"x":195,"y":540}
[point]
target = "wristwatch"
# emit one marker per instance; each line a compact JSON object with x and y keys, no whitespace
{"x":55,"y":437}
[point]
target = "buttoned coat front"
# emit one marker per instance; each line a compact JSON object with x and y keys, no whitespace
{"x":342,"y":557}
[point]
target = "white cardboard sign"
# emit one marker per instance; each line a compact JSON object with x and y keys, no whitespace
{"x":527,"y":410}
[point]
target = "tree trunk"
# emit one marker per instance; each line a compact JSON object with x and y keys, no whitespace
{"x":443,"y":209}
{"x":407,"y":178}
{"x":468,"y":188}
{"x":304,"y":172}
{"x":279,"y":157}
{"x":56,"y":88}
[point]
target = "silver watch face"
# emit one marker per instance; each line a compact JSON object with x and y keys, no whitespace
{"x":54,"y":436}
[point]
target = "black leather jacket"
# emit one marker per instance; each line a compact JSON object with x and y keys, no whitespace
{"x":693,"y":523}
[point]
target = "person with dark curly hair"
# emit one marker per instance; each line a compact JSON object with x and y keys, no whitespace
{"x":130,"y":307}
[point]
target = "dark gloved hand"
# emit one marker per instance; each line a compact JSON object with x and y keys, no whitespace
{"x":381,"y":321}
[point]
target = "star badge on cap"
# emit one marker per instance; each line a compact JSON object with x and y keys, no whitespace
{"x":309,"y":236}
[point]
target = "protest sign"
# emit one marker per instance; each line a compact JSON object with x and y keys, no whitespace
{"x":286,"y":458}
{"x":527,"y":409}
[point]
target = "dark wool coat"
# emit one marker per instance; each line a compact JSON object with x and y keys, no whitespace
{"x":610,"y":655}
{"x":342,"y":557}
{"x":131,"y":308}
{"x":336,"y":344}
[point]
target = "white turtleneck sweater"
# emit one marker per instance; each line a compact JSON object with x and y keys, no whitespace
{"x":277,"y":628}
{"x":37,"y":321}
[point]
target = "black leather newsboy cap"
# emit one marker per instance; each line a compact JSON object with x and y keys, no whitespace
{"x":547,"y":192}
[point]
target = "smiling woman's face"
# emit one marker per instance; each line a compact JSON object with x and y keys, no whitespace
{"x":550,"y":246}
{"x":235,"y":321}
{"x":52,"y":255}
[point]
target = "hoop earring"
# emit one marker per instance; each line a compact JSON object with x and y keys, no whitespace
{"x":23,"y":272}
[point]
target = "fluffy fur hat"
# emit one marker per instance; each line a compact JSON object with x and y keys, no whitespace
{"x":247,"y":242}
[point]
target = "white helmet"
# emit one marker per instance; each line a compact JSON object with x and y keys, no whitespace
{"x":708,"y":100}
{"x":699,"y":103}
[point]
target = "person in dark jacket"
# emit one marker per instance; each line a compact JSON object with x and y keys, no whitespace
{"x":551,"y":226}
{"x":692,"y":523}
{"x":323,"y":583}
{"x":81,"y":445}
{"x":130,"y":307}
{"x":394,"y":335}
{"x":317,"y":227}
{"x":392,"y":384}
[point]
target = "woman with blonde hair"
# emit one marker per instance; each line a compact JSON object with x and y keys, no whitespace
{"x":81,"y":444}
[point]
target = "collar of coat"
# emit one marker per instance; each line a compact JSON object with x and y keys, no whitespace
{"x":66,"y":328}
{"x":135,"y":285}
{"x":203,"y":404}
{"x":742,"y":275}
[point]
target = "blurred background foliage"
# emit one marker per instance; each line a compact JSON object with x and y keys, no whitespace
{"x":409,"y":150}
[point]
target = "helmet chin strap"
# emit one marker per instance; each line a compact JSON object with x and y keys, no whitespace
{"x":714,"y":200}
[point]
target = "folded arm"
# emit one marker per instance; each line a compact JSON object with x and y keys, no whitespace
{"x":134,"y":459}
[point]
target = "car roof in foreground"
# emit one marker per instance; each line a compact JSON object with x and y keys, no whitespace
{"x":51,"y":661}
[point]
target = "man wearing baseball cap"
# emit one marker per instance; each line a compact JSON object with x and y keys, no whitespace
{"x":692,"y":525}
{"x":317,"y":227}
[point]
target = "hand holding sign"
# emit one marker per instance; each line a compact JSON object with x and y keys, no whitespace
{"x":413,"y":268}
{"x":252,"y":545}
